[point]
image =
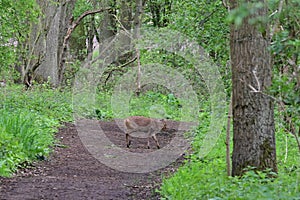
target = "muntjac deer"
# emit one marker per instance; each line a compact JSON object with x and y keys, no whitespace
{"x":142,"y":125}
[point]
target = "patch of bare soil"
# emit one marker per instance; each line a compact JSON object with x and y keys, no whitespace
{"x":71,"y":172}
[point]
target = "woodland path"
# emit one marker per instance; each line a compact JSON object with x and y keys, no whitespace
{"x":71,"y":172}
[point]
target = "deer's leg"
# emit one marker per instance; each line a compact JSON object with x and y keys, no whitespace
{"x":128,"y":142}
{"x":155,"y":139}
{"x":149,"y":135}
{"x":148,"y":143}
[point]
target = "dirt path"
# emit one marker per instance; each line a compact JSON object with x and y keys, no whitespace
{"x":73,"y":173}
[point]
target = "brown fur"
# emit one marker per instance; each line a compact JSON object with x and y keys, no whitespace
{"x":150,"y":126}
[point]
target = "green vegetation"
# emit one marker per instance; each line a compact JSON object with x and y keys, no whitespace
{"x":14,"y":28}
{"x":28,"y":121}
{"x":30,"y":118}
{"x":151,"y":103}
{"x":24,"y":137}
{"x":206,"y":177}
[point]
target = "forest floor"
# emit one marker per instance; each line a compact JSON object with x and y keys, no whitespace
{"x":71,"y":172}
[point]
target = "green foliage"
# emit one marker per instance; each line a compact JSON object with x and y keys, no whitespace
{"x":148,"y":104}
{"x":186,"y":69}
{"x":285,"y":48}
{"x":206,"y":178}
{"x":81,"y":6}
{"x":243,"y":11}
{"x":156,"y":105}
{"x":158,"y":12}
{"x":15,"y":25}
{"x":205,"y":22}
{"x":28,"y":120}
{"x":43,"y":100}
{"x":24,"y":137}
{"x":284,"y":87}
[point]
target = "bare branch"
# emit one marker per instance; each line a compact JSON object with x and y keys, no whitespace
{"x":118,"y":68}
{"x":68,"y":35}
{"x":78,"y":20}
{"x":129,"y":62}
{"x":276,"y":25}
{"x":226,"y":5}
{"x":123,"y":28}
{"x":228,"y":138}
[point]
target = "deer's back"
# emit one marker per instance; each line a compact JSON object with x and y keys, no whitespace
{"x":139,"y":120}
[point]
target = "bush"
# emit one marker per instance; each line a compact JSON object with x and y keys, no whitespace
{"x":24,"y":137}
{"x":206,"y":178}
{"x":28,"y":121}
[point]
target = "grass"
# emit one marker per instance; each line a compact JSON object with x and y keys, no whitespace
{"x":205,"y":178}
{"x":28,"y":121}
{"x":24,"y":137}
{"x":150,"y":104}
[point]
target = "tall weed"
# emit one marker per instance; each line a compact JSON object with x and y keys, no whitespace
{"x":22,"y":139}
{"x":28,"y":121}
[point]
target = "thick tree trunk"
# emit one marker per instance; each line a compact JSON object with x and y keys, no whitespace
{"x":108,"y":27}
{"x":49,"y":46}
{"x":253,"y":120}
{"x":65,"y":18}
{"x":126,"y":21}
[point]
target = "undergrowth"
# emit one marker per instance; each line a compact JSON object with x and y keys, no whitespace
{"x":206,"y":177}
{"x":28,"y":121}
{"x":149,"y":104}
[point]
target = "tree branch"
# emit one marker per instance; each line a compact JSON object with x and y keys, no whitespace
{"x":276,"y":24}
{"x":118,"y":68}
{"x":227,"y":143}
{"x":73,"y":25}
{"x":78,"y":20}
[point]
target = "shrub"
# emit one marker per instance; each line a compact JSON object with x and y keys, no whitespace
{"x":24,"y":137}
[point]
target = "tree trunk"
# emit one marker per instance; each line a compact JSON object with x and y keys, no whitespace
{"x":91,"y":33}
{"x":53,"y":28}
{"x":65,"y":18}
{"x":126,"y":21}
{"x":108,"y":27}
{"x":126,"y":14}
{"x":253,"y":112}
{"x":137,"y":24}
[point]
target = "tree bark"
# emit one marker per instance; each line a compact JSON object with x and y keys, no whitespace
{"x":72,"y":26}
{"x":49,"y":32}
{"x":227,"y":143}
{"x":108,"y":27}
{"x":137,"y":23}
{"x":253,"y":111}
